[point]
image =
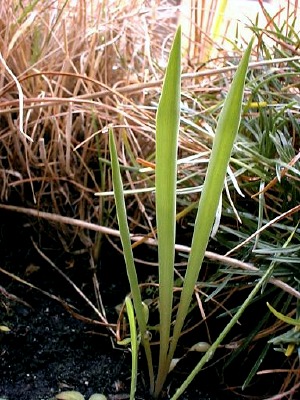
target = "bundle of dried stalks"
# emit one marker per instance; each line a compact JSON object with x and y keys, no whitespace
{"x":71,"y":69}
{"x":68,"y":70}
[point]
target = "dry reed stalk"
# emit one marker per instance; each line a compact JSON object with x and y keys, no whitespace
{"x":60,"y":52}
{"x":82,"y":67}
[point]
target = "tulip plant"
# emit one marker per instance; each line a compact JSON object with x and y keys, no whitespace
{"x":167,"y":128}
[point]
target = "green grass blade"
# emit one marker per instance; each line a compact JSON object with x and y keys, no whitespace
{"x":284,"y":318}
{"x":209,"y":354}
{"x":256,"y":365}
{"x":127,"y":249}
{"x":250,"y":298}
{"x":226,"y":132}
{"x":167,"y":127}
{"x":134,"y":347}
{"x":27,"y":10}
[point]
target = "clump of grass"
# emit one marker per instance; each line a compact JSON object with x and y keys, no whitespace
{"x":260,"y":214}
{"x":202,"y":24}
{"x":84,"y":67}
{"x":261,"y":199}
{"x":79,"y":68}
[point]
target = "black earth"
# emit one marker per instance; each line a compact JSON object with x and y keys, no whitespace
{"x":47,"y":350}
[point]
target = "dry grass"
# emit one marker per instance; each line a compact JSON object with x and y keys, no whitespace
{"x":81,"y":68}
{"x":87,"y":66}
{"x":76,"y":66}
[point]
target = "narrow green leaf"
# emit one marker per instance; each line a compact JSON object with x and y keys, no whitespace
{"x":127,"y":249}
{"x":226,"y":132}
{"x":256,"y":366}
{"x":134,"y":346}
{"x":209,"y":354}
{"x":167,"y":126}
{"x":284,"y":318}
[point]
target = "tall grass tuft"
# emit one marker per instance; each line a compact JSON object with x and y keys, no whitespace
{"x":82,"y":66}
{"x":70,"y":59}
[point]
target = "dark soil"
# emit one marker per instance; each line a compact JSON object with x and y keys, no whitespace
{"x":47,"y":349}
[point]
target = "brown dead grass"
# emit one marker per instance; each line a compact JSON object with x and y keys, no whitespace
{"x":81,"y":69}
{"x":74,"y":65}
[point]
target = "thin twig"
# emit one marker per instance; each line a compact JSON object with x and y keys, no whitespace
{"x":13,"y":297}
{"x":270,"y":223}
{"x":43,"y":255}
{"x":280,"y":396}
{"x":113,"y":232}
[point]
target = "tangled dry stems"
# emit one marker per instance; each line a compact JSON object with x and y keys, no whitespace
{"x":82,"y":69}
{"x":64,"y":56}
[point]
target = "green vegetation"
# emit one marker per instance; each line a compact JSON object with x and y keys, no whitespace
{"x":73,"y":395}
{"x":167,"y":127}
{"x":71,"y":96}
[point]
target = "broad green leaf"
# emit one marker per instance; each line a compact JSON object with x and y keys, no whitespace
{"x":225,"y":135}
{"x":98,"y":396}
{"x":4,"y":328}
